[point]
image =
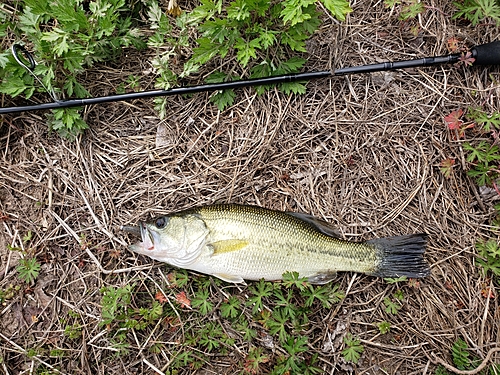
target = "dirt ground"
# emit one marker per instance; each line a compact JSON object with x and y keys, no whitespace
{"x":360,"y":151}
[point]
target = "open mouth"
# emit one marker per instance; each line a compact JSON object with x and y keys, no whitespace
{"x":141,"y":231}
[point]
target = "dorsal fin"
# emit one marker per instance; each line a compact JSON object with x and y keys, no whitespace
{"x":321,"y":225}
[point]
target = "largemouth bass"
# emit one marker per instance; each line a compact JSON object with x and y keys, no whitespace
{"x":237,"y":243}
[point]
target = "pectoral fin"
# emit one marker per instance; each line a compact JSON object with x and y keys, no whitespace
{"x":322,"y":277}
{"x":230,"y":278}
{"x":226,"y":246}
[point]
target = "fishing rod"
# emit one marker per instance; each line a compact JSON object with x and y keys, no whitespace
{"x":484,"y":54}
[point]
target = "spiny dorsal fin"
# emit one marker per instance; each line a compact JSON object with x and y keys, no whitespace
{"x":321,"y":225}
{"x":226,"y":246}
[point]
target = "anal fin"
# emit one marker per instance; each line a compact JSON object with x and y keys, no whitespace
{"x":322,"y":277}
{"x":230,"y":278}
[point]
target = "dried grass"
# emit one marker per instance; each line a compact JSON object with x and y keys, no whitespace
{"x":362,"y":152}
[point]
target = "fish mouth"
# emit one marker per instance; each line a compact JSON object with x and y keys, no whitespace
{"x":147,"y":241}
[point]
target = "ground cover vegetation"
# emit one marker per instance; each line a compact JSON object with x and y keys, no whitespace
{"x":173,"y":322}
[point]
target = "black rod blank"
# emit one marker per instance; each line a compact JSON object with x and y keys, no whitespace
{"x":485,"y":54}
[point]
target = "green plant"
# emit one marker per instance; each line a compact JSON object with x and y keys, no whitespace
{"x":156,"y":348}
{"x":151,"y":313}
{"x":284,"y":299}
{"x":399,"y":295}
{"x":441,"y":370}
{"x":188,"y":358}
{"x":412,"y":10}
{"x":259,"y":291}
{"x":9,"y":292}
{"x":28,"y":269}
{"x":485,"y":121}
{"x":73,"y":331}
{"x":80,"y":37}
{"x":201,"y":301}
{"x":489,"y":256}
{"x":178,"y":278}
{"x":392,"y":280}
{"x":13,"y":248}
{"x":243,"y":327}
{"x":58,"y":353}
{"x":262,"y":36}
{"x":460,"y":355}
{"x":408,"y":8}
{"x":293,"y":347}
{"x":120,"y":346}
{"x":210,"y":336}
{"x":28,"y":236}
{"x":253,"y":360}
{"x":292,"y":279}
{"x":278,"y":323}
{"x":354,"y":349}
{"x":114,"y":303}
{"x":476,"y":11}
{"x":282,"y":316}
{"x":319,"y":293}
{"x":393,"y":305}
{"x":483,"y":158}
{"x":230,"y":309}
{"x":32,"y":352}
{"x":384,"y":327}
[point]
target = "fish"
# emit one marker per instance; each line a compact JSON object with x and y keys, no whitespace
{"x":243,"y":242}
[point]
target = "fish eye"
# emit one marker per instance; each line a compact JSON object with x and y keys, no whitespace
{"x":161,"y":222}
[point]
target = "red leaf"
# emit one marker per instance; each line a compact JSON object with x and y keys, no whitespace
{"x":487,"y":293}
{"x":160,"y":297}
{"x":414,"y":283}
{"x":466,"y":58}
{"x":183,"y":300}
{"x":171,"y":323}
{"x":453,"y":44}
{"x":447,"y":166}
{"x":171,"y":277}
{"x":453,"y":120}
{"x":115,"y":254}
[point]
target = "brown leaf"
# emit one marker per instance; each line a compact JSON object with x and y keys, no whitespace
{"x":43,"y":299}
{"x":160,"y":297}
{"x":183,"y":300}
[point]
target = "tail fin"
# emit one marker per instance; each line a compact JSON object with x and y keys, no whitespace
{"x":401,"y":256}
